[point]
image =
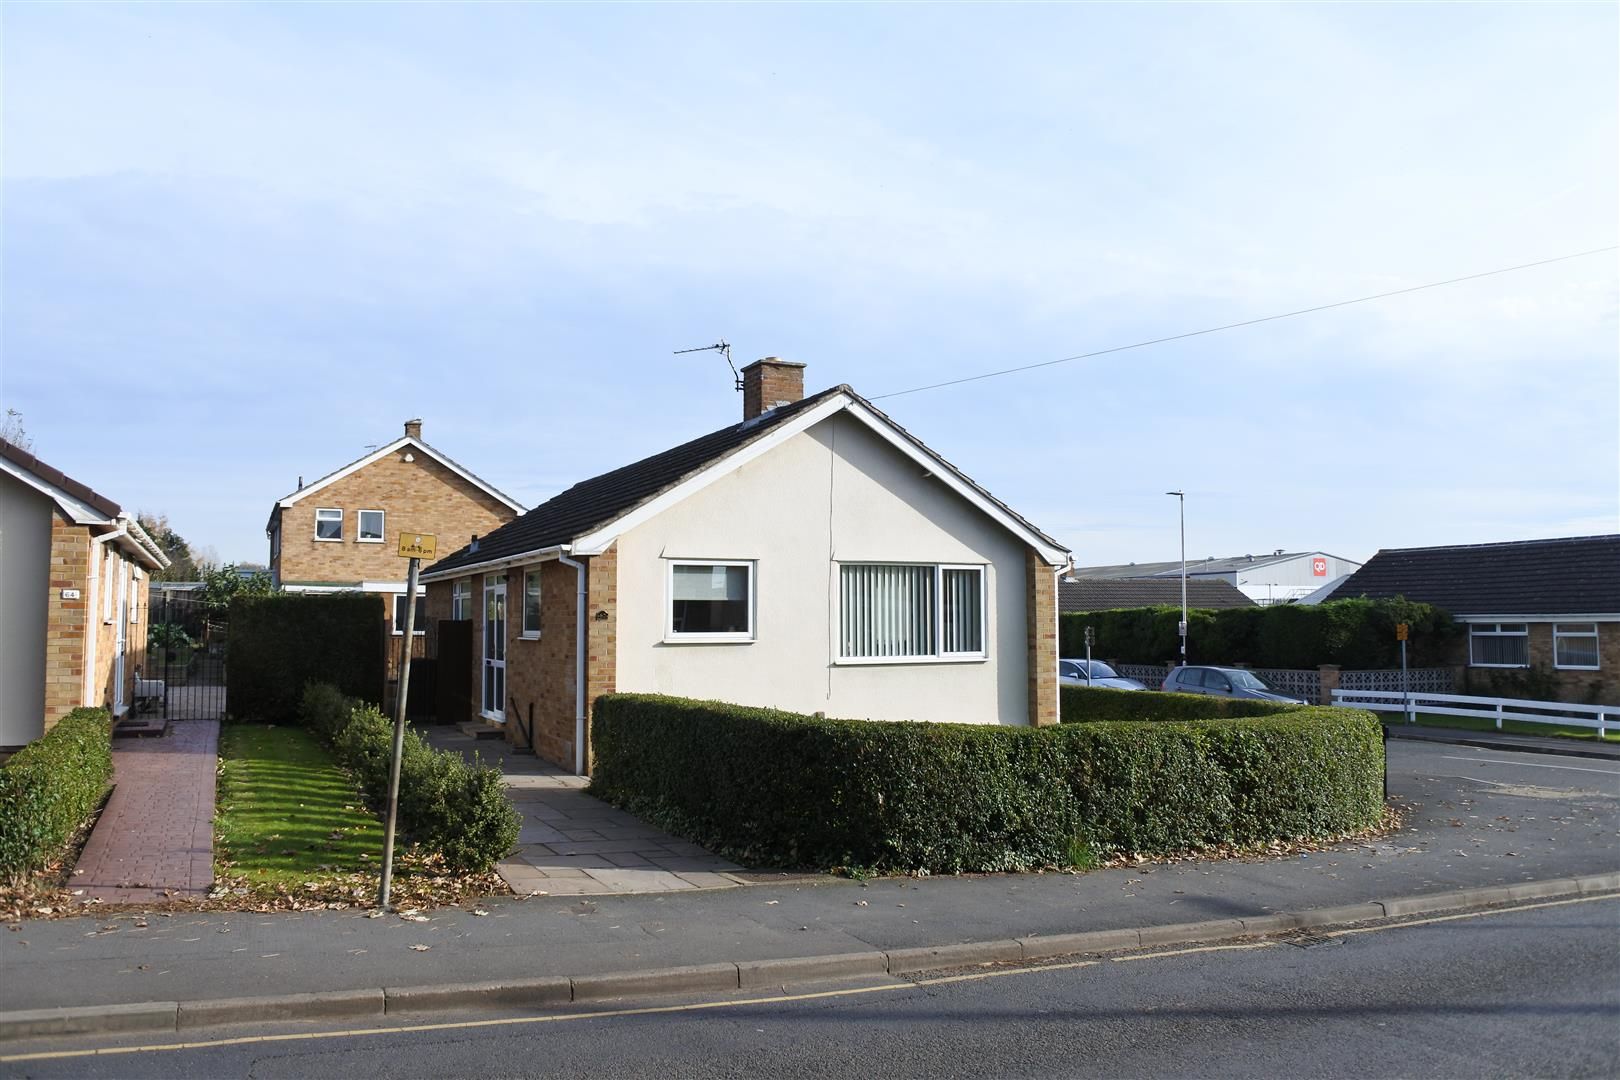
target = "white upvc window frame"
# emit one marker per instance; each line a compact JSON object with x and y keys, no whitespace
{"x":421,"y":623}
{"x":319,"y":510}
{"x":524,"y":632}
{"x":939,"y":656}
{"x":108,"y":608}
{"x":1559,"y":634}
{"x":684,"y":638}
{"x":461,"y":602}
{"x":134,"y":594}
{"x":360,"y":527}
{"x":501,"y":582}
{"x":1475,"y":630}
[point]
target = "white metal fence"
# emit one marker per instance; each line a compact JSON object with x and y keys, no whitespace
{"x":1600,"y":718}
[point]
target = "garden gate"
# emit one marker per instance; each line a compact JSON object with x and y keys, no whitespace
{"x":183,"y":677}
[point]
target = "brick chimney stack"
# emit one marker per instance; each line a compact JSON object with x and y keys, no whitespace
{"x":771,"y":382}
{"x":413,"y":428}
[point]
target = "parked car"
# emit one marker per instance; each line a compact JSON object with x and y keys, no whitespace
{"x":1224,"y":682}
{"x":1073,"y":673}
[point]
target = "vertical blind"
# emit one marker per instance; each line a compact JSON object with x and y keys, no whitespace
{"x":892,"y":610}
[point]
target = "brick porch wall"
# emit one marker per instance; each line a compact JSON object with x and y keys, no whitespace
{"x":66,"y":620}
{"x":1040,"y":610}
{"x":601,"y":635}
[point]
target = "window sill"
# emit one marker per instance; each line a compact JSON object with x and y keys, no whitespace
{"x":1507,"y":667}
{"x":709,"y":639}
{"x":493,"y":717}
{"x":528,"y":637}
{"x":329,"y":539}
{"x":401,"y":633}
{"x":880,"y":661}
{"x":1577,"y":667}
{"x":369,"y":540}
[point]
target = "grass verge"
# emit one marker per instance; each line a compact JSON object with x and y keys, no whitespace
{"x":1511,"y":727}
{"x":292,"y":830}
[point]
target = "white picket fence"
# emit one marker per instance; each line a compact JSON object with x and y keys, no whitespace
{"x":1598,"y":717}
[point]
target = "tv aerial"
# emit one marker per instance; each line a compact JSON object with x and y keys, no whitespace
{"x":724,"y":350}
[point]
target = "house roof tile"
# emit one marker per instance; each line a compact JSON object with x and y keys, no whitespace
{"x":1107,"y":594}
{"x":1568,"y":575}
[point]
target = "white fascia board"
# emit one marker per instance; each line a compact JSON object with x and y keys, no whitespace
{"x":1577,"y":617}
{"x":377,"y":455}
{"x":505,"y":562}
{"x":81,"y":512}
{"x":599,"y":540}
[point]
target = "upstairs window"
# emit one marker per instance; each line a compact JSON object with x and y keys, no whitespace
{"x":1498,"y":645}
{"x":371,"y":527}
{"x":328,"y":524}
{"x":711,"y":601}
{"x":1575,"y":646}
{"x":908,"y":611}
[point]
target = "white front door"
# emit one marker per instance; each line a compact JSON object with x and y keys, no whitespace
{"x":495,"y":647}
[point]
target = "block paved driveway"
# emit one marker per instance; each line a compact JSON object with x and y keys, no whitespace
{"x":575,"y":845}
{"x":155,"y":839}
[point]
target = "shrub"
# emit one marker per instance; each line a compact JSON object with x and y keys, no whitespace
{"x":445,"y":804}
{"x":1354,"y":633}
{"x":50,"y":787}
{"x":1087,"y":704}
{"x":282,"y":641}
{"x":777,"y":788}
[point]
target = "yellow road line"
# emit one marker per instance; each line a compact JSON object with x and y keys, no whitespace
{"x":775,"y":999}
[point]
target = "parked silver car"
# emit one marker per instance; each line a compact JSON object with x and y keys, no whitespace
{"x":1073,"y":673}
{"x":1224,"y":682}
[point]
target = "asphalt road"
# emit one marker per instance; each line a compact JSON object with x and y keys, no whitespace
{"x":1533,"y":991}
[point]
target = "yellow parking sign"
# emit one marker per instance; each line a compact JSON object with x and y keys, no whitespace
{"x":418,"y":545}
{"x":1401,"y":631}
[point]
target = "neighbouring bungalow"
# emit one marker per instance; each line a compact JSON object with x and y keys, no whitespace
{"x":1551,"y":606}
{"x":815,"y":557}
{"x":75,"y":572}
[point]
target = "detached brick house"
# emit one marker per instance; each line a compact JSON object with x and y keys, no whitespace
{"x":1549,"y":606}
{"x":74,"y":579}
{"x":815,"y":557}
{"x":341,"y":532}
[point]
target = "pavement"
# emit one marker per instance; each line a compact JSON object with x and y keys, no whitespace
{"x":154,"y":840}
{"x":1475,"y":819}
{"x":572,"y":844}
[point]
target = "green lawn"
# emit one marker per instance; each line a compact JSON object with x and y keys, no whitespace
{"x":1515,"y":727}
{"x":286,"y":813}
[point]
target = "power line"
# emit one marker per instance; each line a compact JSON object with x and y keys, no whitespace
{"x":1246,"y":322}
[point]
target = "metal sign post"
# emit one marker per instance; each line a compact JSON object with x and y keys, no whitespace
{"x":1090,"y":636}
{"x":415,"y":547}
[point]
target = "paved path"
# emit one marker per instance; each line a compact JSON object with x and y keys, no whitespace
{"x":576,"y":845}
{"x":155,"y":839}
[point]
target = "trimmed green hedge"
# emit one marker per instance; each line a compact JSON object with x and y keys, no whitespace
{"x":280,"y":642}
{"x":1353,"y":633}
{"x":773,"y":788}
{"x":445,"y":804}
{"x":49,"y":788}
{"x":1088,"y":704}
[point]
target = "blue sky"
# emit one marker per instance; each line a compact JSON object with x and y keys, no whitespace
{"x":241,"y":243}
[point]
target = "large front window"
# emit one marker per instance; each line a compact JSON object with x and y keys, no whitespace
{"x":1575,"y":645}
{"x":1499,"y":645}
{"x":710,"y":601}
{"x":495,"y":646}
{"x":905,"y":611}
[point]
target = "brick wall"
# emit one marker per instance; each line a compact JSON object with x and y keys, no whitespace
{"x":1040,"y":609}
{"x":541,"y":673}
{"x":601,"y":634}
{"x":1578,"y":687}
{"x":422,"y":496}
{"x":66,"y":620}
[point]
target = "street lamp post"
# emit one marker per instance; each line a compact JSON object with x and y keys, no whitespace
{"x":1181,"y":499}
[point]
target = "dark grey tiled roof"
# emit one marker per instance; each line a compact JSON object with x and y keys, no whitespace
{"x":1572,"y":575}
{"x":1209,"y":565}
{"x":592,"y":503}
{"x":1107,"y":594}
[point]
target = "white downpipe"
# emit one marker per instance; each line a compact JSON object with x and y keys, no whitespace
{"x":93,"y":621}
{"x":579,"y":652}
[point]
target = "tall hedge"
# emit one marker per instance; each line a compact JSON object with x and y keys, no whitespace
{"x":775,"y":788}
{"x":1353,"y":633}
{"x":278,"y":643}
{"x":50,"y":787}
